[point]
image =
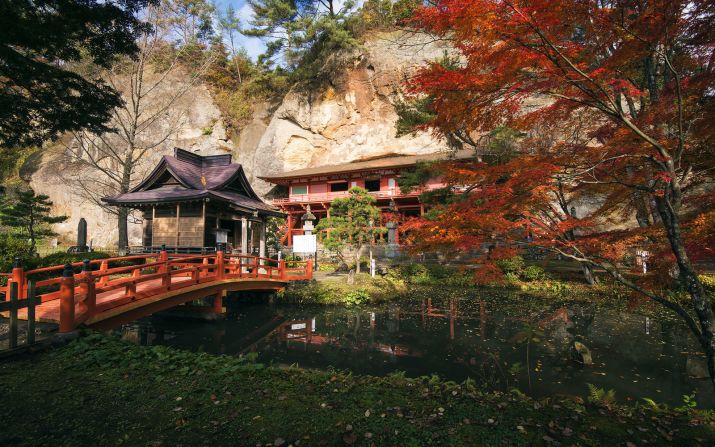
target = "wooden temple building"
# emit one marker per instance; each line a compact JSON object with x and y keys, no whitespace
{"x":192,"y":203}
{"x":315,"y":188}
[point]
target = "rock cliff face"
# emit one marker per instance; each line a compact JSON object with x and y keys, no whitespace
{"x":351,"y":118}
{"x":193,"y":123}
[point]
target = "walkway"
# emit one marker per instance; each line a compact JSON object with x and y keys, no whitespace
{"x":109,"y":292}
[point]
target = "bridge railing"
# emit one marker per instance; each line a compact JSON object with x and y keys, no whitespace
{"x":79,"y":292}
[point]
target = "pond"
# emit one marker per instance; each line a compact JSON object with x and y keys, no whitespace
{"x":500,"y":344}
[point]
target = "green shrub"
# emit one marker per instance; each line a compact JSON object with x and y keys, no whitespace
{"x":533,"y":273}
{"x":511,"y":277}
{"x":438,"y":271}
{"x":290,"y":261}
{"x":61,"y":258}
{"x":514,"y":265}
{"x":12,"y":246}
{"x":356,"y":297}
{"x":327,"y":267}
{"x":515,"y":269}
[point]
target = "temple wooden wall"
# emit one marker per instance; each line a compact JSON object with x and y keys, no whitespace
{"x":191,"y":231}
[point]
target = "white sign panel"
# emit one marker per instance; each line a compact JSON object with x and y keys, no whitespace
{"x":304,"y":244}
{"x":221,"y":236}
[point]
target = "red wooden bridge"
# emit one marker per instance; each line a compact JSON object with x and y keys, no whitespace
{"x":102,"y":296}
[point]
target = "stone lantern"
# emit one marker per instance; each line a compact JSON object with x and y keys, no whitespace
{"x":391,"y":232}
{"x":308,"y":219}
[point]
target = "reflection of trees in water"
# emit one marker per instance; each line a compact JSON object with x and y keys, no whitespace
{"x":564,"y":326}
{"x":455,"y":340}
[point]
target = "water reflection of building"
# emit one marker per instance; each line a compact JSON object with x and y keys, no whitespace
{"x":306,"y":332}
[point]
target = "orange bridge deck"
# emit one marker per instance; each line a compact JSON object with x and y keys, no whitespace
{"x":105,"y":293}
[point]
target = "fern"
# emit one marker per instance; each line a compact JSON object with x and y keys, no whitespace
{"x":599,"y":396}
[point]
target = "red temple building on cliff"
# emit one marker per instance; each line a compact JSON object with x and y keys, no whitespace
{"x":317,"y":187}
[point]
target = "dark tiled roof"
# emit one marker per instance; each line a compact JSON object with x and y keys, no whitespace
{"x":214,"y":176}
{"x":244,"y":201}
{"x":200,"y":178}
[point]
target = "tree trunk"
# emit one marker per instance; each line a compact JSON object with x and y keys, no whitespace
{"x":689,"y":279}
{"x":357,"y":260}
{"x":123,"y":228}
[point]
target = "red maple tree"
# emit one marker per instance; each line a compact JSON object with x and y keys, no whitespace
{"x":613,"y":102}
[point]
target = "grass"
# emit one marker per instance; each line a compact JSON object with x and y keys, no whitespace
{"x":102,"y":391}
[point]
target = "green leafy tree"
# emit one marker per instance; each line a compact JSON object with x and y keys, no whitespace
{"x":30,"y":215}
{"x":302,"y":34}
{"x":40,"y":96}
{"x":352,"y":223}
{"x":191,"y":21}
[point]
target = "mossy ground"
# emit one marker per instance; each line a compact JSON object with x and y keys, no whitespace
{"x":102,"y":391}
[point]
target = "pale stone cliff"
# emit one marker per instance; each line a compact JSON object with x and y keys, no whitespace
{"x":349,"y":119}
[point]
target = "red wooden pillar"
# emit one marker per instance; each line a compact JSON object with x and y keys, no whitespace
{"x":204,"y":271}
{"x":282,"y":269}
{"x":67,"y":300}
{"x":132,"y":287}
{"x":217,"y":307}
{"x":164,"y":268}
{"x":220,"y":265}
{"x":18,"y":276}
{"x":290,"y":229}
{"x":103,"y":266}
{"x":309,"y":269}
{"x":90,"y":300}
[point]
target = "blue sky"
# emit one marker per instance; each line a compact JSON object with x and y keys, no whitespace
{"x":253,"y":45}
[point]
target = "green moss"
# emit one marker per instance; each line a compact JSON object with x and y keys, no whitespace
{"x":102,"y":391}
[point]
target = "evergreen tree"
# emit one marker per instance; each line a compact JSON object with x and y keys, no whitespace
{"x":302,"y":34}
{"x":230,"y":26}
{"x":30,"y":214}
{"x":40,"y":97}
{"x":352,"y":223}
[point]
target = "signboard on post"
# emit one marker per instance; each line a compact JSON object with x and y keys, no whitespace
{"x":305,"y":244}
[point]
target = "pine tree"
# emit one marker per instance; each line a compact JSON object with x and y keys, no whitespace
{"x":352,"y":223}
{"x":30,"y":214}
{"x":303,"y":35}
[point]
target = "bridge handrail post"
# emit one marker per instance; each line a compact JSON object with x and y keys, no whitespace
{"x":163,"y":257}
{"x":255,"y":266}
{"x":282,"y":269}
{"x":204,"y":271}
{"x":132,"y":286}
{"x":67,"y":299}
{"x":220,"y":265}
{"x":164,"y":267}
{"x":309,"y":269}
{"x":17,"y":276}
{"x":103,"y":266}
{"x":90,"y":300}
